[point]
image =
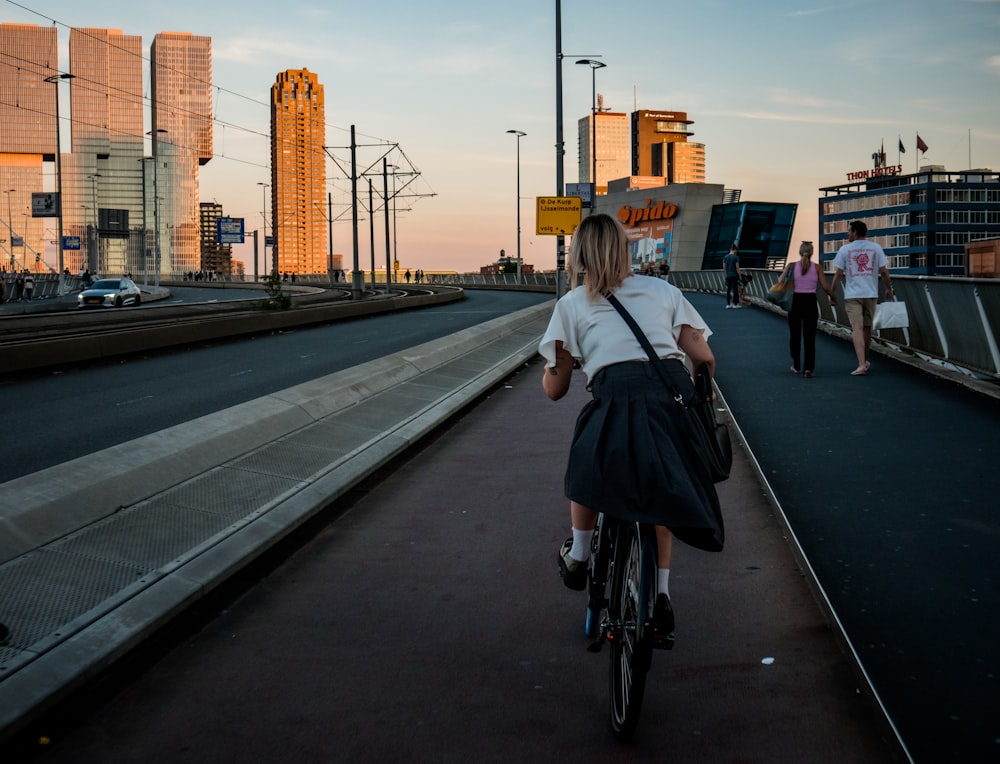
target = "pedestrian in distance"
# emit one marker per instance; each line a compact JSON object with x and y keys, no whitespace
{"x":859,"y":264}
{"x":628,"y":457}
{"x":731,"y":270}
{"x":29,"y":285}
{"x":804,"y":315}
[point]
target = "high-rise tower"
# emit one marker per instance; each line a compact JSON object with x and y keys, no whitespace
{"x":28,"y":54}
{"x":298,"y":164}
{"x":105,"y":168}
{"x":612,"y":146}
{"x":660,"y":147}
{"x":181,"y":73}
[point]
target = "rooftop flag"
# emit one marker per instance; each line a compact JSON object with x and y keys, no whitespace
{"x":920,"y":144}
{"x":902,"y":148}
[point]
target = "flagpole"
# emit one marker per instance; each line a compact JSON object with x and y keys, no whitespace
{"x":970,"y":148}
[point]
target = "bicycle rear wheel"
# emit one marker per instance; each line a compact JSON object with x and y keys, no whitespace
{"x":633,"y":591}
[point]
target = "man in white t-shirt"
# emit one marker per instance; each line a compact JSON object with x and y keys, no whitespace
{"x":859,"y":263}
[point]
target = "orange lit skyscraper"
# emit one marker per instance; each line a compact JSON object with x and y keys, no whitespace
{"x":28,"y":54}
{"x":298,"y":164}
{"x":181,"y":74}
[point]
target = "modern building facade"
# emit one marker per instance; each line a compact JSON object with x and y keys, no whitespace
{"x":666,"y":223}
{"x":104,"y":171}
{"x":181,"y":87}
{"x":923,"y":221}
{"x":298,"y":172}
{"x":612,"y":147}
{"x":215,"y":257}
{"x":761,"y":230}
{"x":28,"y":54}
{"x":660,"y":147}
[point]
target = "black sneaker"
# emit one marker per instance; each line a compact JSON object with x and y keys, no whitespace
{"x":663,"y":622}
{"x":573,"y":572}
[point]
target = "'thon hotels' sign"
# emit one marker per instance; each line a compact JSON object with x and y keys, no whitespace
{"x":896,"y":169}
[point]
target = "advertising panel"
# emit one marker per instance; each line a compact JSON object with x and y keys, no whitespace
{"x":43,"y":204}
{"x":649,"y":230}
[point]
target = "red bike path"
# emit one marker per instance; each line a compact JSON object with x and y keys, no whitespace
{"x":427,"y":622}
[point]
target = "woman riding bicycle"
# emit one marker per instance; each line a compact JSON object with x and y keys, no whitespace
{"x":628,"y":457}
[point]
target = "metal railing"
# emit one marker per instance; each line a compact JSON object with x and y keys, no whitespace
{"x":953,"y":319}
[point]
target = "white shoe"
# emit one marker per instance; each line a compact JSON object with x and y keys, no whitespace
{"x":728,"y":306}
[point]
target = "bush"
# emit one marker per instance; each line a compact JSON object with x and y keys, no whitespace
{"x":276,"y":299}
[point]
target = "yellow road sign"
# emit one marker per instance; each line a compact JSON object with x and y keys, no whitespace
{"x":557,"y":215}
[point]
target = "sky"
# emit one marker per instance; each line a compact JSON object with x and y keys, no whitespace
{"x":787,"y":96}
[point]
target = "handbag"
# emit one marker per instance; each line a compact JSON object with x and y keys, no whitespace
{"x":782,"y":292}
{"x":891,"y":315}
{"x":712,"y":443}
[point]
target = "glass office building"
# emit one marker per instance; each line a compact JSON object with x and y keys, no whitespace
{"x":298,"y":173}
{"x":761,"y":230}
{"x":28,"y":54}
{"x":612,"y":140}
{"x":105,"y":169}
{"x":922,"y":221}
{"x":181,"y":78}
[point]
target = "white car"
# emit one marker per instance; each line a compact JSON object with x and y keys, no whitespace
{"x":109,"y":293}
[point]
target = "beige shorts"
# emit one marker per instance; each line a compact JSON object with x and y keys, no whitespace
{"x":860,"y":310}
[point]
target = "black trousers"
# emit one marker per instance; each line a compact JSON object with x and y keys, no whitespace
{"x":802,"y":320}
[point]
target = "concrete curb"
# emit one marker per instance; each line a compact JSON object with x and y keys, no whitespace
{"x":49,"y":670}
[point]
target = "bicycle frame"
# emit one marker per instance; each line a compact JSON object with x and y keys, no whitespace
{"x":623,"y":554}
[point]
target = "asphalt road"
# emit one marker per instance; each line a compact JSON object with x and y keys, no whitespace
{"x":49,"y":418}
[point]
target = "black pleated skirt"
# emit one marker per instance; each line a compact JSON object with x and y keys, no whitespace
{"x":630,"y":457}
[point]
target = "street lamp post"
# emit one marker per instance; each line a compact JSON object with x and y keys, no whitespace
{"x":54,"y":79}
{"x":594,"y":66}
{"x":154,"y":134}
{"x":519,"y":134}
{"x":94,"y":256}
{"x":263,"y":213}
{"x":10,"y":226}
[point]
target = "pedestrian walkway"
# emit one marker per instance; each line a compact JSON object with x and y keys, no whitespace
{"x":890,"y":483}
{"x":427,"y":622}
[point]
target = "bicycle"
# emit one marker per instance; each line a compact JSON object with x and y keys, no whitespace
{"x":624,"y":554}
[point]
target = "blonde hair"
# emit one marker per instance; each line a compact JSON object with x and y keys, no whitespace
{"x":805,"y":248}
{"x":599,"y":251}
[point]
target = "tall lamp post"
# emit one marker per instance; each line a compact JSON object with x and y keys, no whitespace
{"x":519,"y":134}
{"x":263,"y":213}
{"x":594,"y":66}
{"x":54,"y":79}
{"x":10,"y":226}
{"x":155,"y":135}
{"x":94,"y":256}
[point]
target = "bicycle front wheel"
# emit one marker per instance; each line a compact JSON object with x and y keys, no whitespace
{"x":633,"y":592}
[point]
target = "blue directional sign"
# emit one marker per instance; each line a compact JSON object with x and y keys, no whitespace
{"x":229,"y":231}
{"x":71,"y":242}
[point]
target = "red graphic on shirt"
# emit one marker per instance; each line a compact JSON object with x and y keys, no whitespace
{"x":862,"y":262}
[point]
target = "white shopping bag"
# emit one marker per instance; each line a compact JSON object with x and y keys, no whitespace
{"x":891,"y":315}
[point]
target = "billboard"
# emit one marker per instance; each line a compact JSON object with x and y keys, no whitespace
{"x":44,"y":204}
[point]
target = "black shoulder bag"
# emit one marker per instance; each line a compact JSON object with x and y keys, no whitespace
{"x":712,"y":437}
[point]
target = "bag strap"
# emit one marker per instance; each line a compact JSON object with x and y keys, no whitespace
{"x":654,"y":359}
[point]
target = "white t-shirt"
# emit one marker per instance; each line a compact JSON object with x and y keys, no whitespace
{"x":860,"y":261}
{"x":595,"y":335}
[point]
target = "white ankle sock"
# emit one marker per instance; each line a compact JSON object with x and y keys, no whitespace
{"x":662,"y":581}
{"x":581,"y":545}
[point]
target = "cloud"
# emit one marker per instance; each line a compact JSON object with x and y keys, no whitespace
{"x":787,"y":97}
{"x":993,"y":63}
{"x":814,"y":11}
